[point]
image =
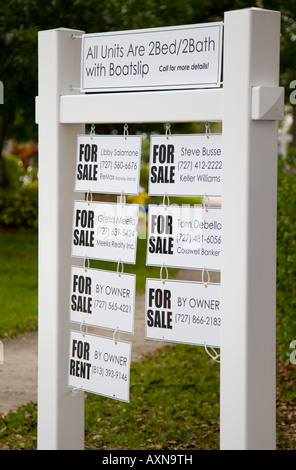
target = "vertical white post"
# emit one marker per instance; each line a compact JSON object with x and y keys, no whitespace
{"x":248,"y":272}
{"x":60,"y":412}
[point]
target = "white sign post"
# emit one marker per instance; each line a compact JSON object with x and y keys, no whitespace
{"x":249,"y":105}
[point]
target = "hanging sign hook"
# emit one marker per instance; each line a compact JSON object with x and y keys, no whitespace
{"x":165,"y":196}
{"x":206,"y":203}
{"x":167,"y":130}
{"x":125,"y":131}
{"x":166,"y":271}
{"x":202,"y":276}
{"x":83,"y":328}
{"x":89,"y":197}
{"x":116,"y":331}
{"x":118,"y":265}
{"x":122,"y":199}
{"x":92,"y":131}
{"x":84,"y":263}
{"x":215,"y":356}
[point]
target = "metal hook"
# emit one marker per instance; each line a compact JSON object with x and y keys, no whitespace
{"x":92,"y":131}
{"x":84,"y":263}
{"x":167,"y":130}
{"x":125,"y":131}
{"x":167,"y":274}
{"x":206,"y":207}
{"x":202,"y":276}
{"x":116,"y":331}
{"x":118,"y":264}
{"x":83,"y":328}
{"x":163,"y":200}
{"x":76,"y":390}
{"x":89,"y":195}
{"x":122,"y":199}
{"x":216,"y":357}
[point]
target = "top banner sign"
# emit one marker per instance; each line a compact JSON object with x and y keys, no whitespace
{"x":175,"y":57}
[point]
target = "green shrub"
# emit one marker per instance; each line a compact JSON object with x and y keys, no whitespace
{"x":286,"y":255}
{"x":14,"y":172}
{"x":19,"y":208}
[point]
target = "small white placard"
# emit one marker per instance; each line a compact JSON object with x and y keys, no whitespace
{"x":186,"y":165}
{"x":105,"y":231}
{"x":184,"y":237}
{"x":104,"y":299}
{"x":108,"y":164}
{"x":183,"y":312}
{"x":99,"y":365}
{"x":159,"y":58}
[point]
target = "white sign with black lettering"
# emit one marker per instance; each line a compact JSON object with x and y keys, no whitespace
{"x":186,"y":165}
{"x":184,"y":237}
{"x":99,"y":365}
{"x":108,"y":164}
{"x":159,"y":58}
{"x":105,"y":231}
{"x":183,"y":312}
{"x":104,"y":299}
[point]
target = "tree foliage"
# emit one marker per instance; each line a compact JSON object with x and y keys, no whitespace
{"x":20,"y":21}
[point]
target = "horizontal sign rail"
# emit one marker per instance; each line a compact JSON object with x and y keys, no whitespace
{"x":157,"y":106}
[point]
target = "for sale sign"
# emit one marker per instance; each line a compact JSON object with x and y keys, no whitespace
{"x":105,"y":231}
{"x":184,"y":237}
{"x":183,"y":312}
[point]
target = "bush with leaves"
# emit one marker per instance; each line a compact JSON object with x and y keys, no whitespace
{"x":20,"y":208}
{"x":286,"y":252}
{"x":19,"y":201}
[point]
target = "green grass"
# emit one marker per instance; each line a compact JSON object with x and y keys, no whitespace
{"x":18,"y":282}
{"x":174,"y":405}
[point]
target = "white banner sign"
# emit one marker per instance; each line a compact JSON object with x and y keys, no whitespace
{"x":183,"y":312}
{"x":108,"y":164}
{"x":160,"y":58}
{"x":105,"y":231}
{"x":99,"y":365}
{"x":186,"y":165}
{"x":184,"y":237}
{"x":104,"y":299}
